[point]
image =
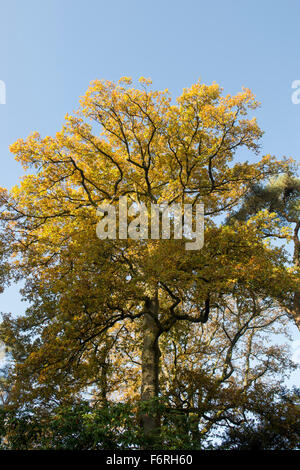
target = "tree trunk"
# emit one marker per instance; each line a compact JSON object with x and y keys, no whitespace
{"x":296,"y":308}
{"x":150,"y":370}
{"x":103,"y":381}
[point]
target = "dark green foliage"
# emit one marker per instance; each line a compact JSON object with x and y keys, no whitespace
{"x":267,"y":425}
{"x":273,"y":426}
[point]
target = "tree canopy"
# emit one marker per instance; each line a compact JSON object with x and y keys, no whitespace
{"x":142,"y":320}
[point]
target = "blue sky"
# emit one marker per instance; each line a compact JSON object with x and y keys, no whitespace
{"x":50,"y":50}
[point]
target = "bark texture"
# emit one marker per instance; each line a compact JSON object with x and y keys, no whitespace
{"x":150,"y":368}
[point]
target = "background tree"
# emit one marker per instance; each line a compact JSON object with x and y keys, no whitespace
{"x":281,"y":195}
{"x":273,"y":425}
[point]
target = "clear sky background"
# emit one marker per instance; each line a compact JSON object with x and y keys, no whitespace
{"x":50,"y":50}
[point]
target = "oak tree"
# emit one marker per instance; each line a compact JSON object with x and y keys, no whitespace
{"x":135,"y":142}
